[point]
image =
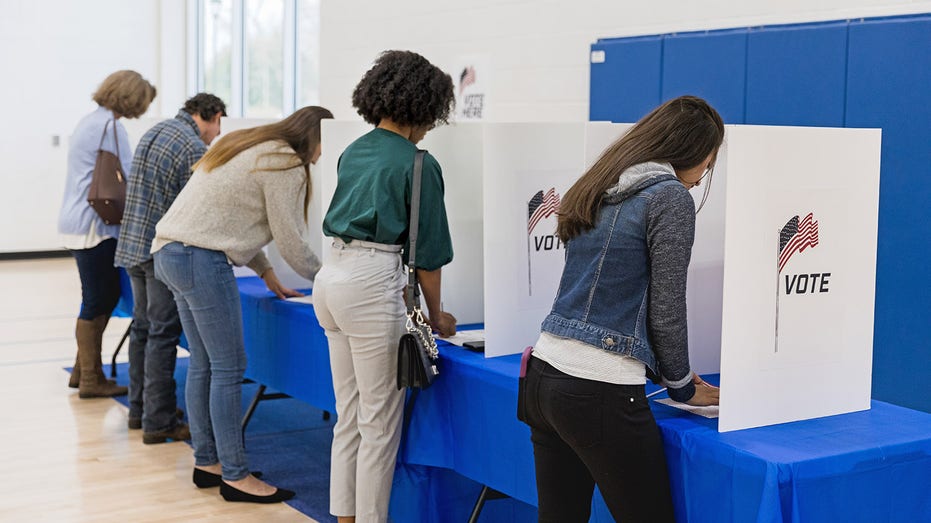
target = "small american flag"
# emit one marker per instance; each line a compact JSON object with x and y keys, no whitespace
{"x":797,"y":236}
{"x":466,"y":78}
{"x":541,"y":206}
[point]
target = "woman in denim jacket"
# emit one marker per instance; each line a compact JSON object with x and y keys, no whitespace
{"x":619,"y":316}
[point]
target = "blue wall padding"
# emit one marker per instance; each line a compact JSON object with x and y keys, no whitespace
{"x":889,"y":86}
{"x":796,"y":75}
{"x":627,"y":85}
{"x":711,"y":65}
{"x":865,"y":73}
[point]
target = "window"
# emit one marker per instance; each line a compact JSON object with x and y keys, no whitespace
{"x":263,"y":59}
{"x":217,"y":56}
{"x":260,"y":56}
{"x":308,"y":59}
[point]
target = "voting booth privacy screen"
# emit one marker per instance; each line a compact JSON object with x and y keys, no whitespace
{"x":799,"y":273}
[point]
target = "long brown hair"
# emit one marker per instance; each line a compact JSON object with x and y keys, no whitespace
{"x":301,"y":131}
{"x":681,"y":132}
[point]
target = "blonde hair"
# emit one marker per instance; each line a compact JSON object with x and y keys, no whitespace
{"x":126,"y":93}
{"x":301,"y":131}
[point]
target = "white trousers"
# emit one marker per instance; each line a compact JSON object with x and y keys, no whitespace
{"x":358,"y":301}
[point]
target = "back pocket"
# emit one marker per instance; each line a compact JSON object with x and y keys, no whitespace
{"x":175,"y":268}
{"x":577,"y":417}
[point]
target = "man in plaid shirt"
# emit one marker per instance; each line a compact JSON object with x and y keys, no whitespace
{"x":161,"y":167}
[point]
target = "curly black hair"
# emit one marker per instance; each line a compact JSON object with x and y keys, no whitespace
{"x":406,"y":88}
{"x":205,"y":105}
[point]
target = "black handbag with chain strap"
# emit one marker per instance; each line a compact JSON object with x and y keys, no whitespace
{"x":417,"y":351}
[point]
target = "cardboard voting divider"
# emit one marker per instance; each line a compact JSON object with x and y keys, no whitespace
{"x":800,"y":230}
{"x":527,"y":169}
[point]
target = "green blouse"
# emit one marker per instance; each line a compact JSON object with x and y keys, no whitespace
{"x":373,"y":198}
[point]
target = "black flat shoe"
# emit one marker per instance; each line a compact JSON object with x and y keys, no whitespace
{"x":204,"y":479}
{"x":231,"y":493}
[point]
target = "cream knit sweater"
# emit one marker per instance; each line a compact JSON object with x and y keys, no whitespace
{"x":240,"y":207}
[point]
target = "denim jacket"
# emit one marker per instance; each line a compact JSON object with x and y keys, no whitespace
{"x":623,"y":284}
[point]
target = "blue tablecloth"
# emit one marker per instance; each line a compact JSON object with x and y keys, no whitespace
{"x":286,"y":348}
{"x":871,"y":466}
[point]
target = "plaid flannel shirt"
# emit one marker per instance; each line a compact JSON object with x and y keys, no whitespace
{"x":161,"y":167}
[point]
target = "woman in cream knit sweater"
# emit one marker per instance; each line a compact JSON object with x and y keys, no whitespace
{"x":251,"y":188}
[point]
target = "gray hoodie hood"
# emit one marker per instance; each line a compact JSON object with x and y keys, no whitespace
{"x":638,"y":178}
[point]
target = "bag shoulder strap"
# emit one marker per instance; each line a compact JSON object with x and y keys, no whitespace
{"x":116,"y":141}
{"x":413,"y":293}
{"x":409,"y":410}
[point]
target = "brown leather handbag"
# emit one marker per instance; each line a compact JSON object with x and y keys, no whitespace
{"x":107,"y":194}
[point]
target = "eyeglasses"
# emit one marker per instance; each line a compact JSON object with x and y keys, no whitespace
{"x":708,"y":172}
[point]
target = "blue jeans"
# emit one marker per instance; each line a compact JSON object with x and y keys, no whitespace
{"x":153,"y":346}
{"x":208,"y":302}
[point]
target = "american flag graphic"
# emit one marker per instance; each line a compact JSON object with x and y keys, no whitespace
{"x":466,"y":78}
{"x":541,"y":206}
{"x":797,"y":236}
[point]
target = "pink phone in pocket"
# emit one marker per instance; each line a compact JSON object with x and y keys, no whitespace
{"x":524,"y":359}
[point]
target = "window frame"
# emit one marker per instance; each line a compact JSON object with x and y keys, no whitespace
{"x":239,"y":83}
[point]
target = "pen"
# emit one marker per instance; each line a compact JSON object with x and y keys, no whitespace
{"x":650,"y":395}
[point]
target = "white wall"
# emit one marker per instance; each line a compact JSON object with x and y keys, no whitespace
{"x":537,"y":51}
{"x":54,"y":55}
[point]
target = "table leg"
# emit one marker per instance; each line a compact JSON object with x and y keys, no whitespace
{"x":487,"y":493}
{"x":259,"y":396}
{"x":117,"y":351}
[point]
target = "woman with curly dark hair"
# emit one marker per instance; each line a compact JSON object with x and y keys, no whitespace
{"x":358,"y":292}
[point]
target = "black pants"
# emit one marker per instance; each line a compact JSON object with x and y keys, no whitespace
{"x":586,"y":433}
{"x":100,"y":280}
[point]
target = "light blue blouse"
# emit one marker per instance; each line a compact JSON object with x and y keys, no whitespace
{"x":76,"y":216}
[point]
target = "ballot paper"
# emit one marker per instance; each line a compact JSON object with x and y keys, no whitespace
{"x":307,"y":298}
{"x":707,"y":412}
{"x":466,"y":336}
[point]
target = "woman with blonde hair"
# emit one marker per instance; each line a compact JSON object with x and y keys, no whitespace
{"x":91,"y":241}
{"x":251,"y":188}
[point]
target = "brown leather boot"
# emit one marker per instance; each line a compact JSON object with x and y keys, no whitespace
{"x":100,"y":322}
{"x":89,"y":335}
{"x":74,"y":379}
